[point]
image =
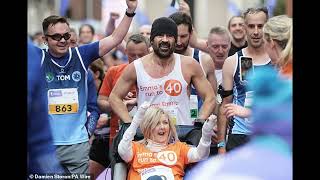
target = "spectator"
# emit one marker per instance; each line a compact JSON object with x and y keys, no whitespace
{"x":238,"y":34}
{"x":278,"y":43}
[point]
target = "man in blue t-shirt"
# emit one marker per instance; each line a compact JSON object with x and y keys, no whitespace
{"x":66,"y":71}
{"x":235,"y":89}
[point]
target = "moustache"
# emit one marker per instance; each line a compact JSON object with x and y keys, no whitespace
{"x":164,"y":44}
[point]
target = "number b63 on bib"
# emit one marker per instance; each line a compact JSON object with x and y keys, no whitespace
{"x":63,"y":101}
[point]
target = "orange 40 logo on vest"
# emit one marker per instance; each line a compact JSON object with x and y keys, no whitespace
{"x":173,"y":87}
{"x":167,"y":157}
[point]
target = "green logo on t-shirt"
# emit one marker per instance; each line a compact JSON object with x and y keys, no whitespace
{"x":49,"y":77}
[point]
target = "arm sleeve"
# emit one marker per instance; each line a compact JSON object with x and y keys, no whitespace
{"x":125,"y":145}
{"x":92,"y":105}
{"x":200,"y":152}
{"x":89,"y":53}
{"x":203,"y":149}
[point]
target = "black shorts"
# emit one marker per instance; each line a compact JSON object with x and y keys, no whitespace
{"x":99,"y":151}
{"x":235,"y":140}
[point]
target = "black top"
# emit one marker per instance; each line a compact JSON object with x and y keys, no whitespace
{"x":234,"y":49}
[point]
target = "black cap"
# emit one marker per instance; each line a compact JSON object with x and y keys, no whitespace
{"x":164,"y":25}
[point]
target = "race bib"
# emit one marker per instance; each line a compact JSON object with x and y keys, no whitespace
{"x":63,"y":101}
{"x":157,"y":172}
{"x":193,"y":107}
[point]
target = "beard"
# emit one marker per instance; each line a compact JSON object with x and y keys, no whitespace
{"x":183,"y":48}
{"x":163,"y":53}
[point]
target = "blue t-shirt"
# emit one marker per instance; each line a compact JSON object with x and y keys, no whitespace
{"x":242,"y":96}
{"x":67,"y":91}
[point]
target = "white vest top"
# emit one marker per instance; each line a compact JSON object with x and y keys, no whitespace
{"x":168,"y":92}
{"x":218,"y":73}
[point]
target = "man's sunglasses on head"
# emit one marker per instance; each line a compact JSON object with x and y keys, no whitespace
{"x":58,"y":37}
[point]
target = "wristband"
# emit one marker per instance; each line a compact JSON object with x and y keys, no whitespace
{"x":221,"y":144}
{"x":130,"y":14}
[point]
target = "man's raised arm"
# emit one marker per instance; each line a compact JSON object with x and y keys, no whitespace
{"x":108,"y":43}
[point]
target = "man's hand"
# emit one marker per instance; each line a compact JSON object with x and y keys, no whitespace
{"x":132,"y":5}
{"x":91,"y":139}
{"x":130,"y":101}
{"x":102,"y":121}
{"x":184,"y":7}
{"x":114,"y":15}
{"x":129,"y":96}
{"x":222,"y":150}
{"x":236,"y":110}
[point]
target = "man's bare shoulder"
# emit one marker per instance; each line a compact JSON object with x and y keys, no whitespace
{"x":188,"y":60}
{"x":205,"y":55}
{"x":230,"y":61}
{"x":206,"y":58}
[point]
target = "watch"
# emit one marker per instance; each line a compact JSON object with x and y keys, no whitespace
{"x":221,"y":144}
{"x":130,"y":14}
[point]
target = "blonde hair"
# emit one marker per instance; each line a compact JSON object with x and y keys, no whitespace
{"x":150,"y":121}
{"x":279,"y":29}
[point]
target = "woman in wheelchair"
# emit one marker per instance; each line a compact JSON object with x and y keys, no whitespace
{"x":160,"y":154}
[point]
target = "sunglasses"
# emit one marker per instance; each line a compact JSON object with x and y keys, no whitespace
{"x":58,"y":37}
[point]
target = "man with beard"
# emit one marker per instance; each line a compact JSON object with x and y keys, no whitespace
{"x":164,"y":79}
{"x":184,"y":25}
{"x":238,"y":34}
{"x":236,"y":91}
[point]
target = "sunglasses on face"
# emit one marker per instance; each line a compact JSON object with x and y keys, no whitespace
{"x":58,"y":37}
